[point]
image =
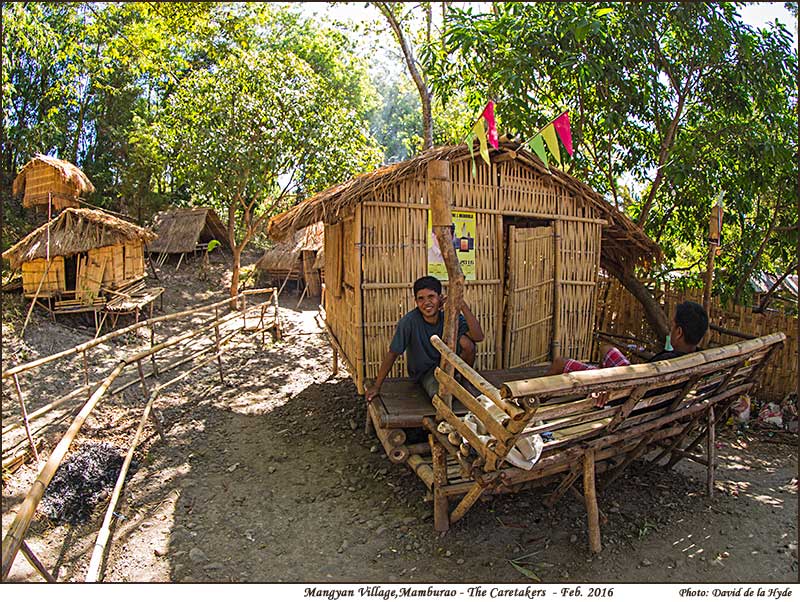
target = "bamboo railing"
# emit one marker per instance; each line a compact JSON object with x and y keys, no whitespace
{"x":620,"y":315}
{"x":14,"y":540}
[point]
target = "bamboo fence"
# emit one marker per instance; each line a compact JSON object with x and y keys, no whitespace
{"x":14,"y":541}
{"x":619,"y":314}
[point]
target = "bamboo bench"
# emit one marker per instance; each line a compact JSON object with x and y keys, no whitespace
{"x":669,"y":406}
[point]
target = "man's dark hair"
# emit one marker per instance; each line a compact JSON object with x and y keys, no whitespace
{"x":693,"y":320}
{"x":428,"y":282}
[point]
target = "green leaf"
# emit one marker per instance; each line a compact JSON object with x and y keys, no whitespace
{"x":213,"y":244}
{"x":603,"y":11}
{"x":527,"y":572}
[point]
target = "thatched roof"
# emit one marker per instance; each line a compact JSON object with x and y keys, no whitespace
{"x":67,"y":171}
{"x":179,"y":230}
{"x":624,"y":243}
{"x":284,"y":255}
{"x":75,"y":231}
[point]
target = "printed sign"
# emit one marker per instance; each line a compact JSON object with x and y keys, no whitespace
{"x":463,"y":234}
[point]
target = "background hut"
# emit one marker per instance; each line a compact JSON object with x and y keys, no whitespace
{"x":186,"y":231}
{"x":539,"y":239}
{"x":296,"y":258}
{"x":89,"y":252}
{"x":44,"y":179}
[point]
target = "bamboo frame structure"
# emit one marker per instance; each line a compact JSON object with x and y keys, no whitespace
{"x":649,"y":405}
{"x":14,"y":539}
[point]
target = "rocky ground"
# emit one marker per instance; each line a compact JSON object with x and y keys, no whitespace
{"x":269,"y":477}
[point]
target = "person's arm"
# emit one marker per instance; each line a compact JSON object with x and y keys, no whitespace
{"x":383,"y":372}
{"x":474,"y":330}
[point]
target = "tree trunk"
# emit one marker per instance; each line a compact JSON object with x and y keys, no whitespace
{"x":425,"y":94}
{"x":655,"y":316}
{"x":235,"y":267}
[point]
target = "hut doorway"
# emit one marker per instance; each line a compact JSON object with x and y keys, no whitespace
{"x":529,"y":292}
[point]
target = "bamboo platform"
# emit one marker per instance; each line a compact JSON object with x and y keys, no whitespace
{"x":591,"y":423}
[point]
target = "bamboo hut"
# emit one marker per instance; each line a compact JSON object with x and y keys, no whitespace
{"x":538,"y":240}
{"x":296,"y":258}
{"x":186,"y":230}
{"x":44,"y":180}
{"x":77,"y":256}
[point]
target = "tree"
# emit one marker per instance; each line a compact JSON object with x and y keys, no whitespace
{"x":276,"y":116}
{"x":658,"y":93}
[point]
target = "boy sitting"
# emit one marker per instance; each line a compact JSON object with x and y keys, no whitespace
{"x":413,"y":333}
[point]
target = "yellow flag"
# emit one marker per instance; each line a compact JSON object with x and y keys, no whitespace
{"x":549,"y":135}
{"x":480,"y":132}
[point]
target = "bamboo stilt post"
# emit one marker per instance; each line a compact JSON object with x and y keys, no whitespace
{"x":711,"y":452}
{"x":25,"y":421}
{"x":592,"y":515}
{"x":219,"y":350}
{"x":440,"y":195}
{"x":563,"y":487}
{"x":277,"y":315}
{"x":555,"y":344}
{"x":441,"y":520}
{"x":467,"y":502}
{"x":36,"y":563}
{"x":145,"y":388}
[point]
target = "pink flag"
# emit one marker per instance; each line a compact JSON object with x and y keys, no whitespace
{"x":561,"y":124}
{"x":491,"y":126}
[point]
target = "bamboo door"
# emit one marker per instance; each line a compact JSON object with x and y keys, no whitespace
{"x":90,"y":277}
{"x":529,"y":307}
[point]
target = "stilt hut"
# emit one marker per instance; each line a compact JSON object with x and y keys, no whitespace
{"x":186,"y":230}
{"x":530,"y":241}
{"x":296,"y":259}
{"x":76,"y":258}
{"x":44,"y":180}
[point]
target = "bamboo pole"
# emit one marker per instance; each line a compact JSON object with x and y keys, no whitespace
{"x":25,"y":420}
{"x":500,"y":315}
{"x":555,"y":344}
{"x":511,"y":302}
{"x":36,"y":295}
{"x":563,"y":487}
{"x":440,"y":509}
{"x":36,"y":563}
{"x":710,"y":452}
{"x":358,"y":293}
{"x":591,"y":502}
{"x":467,"y":502}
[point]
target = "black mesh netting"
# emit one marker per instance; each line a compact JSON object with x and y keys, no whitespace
{"x":85,"y":478}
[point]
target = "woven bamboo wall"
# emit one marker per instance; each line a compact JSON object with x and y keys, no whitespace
{"x":134,"y":260}
{"x":619,"y":312}
{"x":34,"y":271}
{"x":43,"y":180}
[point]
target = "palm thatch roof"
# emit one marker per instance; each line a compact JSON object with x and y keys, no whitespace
{"x":283,"y":257}
{"x":68,"y":173}
{"x":75,"y":231}
{"x":623,"y":244}
{"x":180,"y":230}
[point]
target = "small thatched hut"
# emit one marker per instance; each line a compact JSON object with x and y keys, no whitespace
{"x":88,"y":251}
{"x":296,"y":258}
{"x":531,"y":242}
{"x":46,"y":179}
{"x":187,"y":230}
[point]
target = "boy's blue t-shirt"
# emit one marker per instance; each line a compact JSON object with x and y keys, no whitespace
{"x":413,"y":334}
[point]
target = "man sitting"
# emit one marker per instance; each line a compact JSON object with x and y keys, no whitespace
{"x":413,"y":333}
{"x":689,"y":326}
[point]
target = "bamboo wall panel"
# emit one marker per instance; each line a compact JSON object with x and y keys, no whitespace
{"x":43,"y":184}
{"x":90,"y":274}
{"x":529,"y":319}
{"x":133,"y":260}
{"x":618,"y":312}
{"x":580,"y":260}
{"x":33,"y":271}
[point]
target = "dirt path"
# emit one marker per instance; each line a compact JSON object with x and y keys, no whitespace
{"x":270,"y":478}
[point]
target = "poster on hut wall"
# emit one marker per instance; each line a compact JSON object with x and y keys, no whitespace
{"x":463,"y":233}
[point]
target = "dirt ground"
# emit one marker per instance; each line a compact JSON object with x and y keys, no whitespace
{"x":269,"y":477}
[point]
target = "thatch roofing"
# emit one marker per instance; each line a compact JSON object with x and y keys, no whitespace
{"x":179,"y":230}
{"x":67,"y":171}
{"x":75,"y":231}
{"x":624,"y":243}
{"x":284,"y":256}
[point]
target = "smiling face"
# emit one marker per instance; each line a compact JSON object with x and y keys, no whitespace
{"x":428,"y":303}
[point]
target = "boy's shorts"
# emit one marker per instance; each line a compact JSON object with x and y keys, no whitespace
{"x":613,"y":358}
